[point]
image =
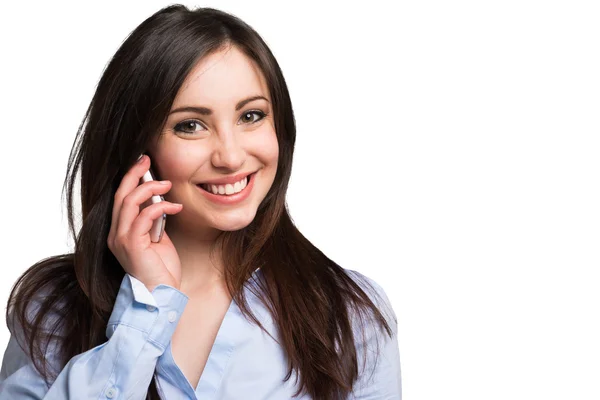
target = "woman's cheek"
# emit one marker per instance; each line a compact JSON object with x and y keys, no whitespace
{"x":269,"y":146}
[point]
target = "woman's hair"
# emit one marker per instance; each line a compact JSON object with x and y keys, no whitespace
{"x":313,"y":301}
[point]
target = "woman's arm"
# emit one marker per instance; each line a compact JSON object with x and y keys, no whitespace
{"x":139,"y":330}
{"x":382,"y":383}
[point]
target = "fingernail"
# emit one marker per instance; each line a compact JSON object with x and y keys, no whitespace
{"x":164,"y":182}
{"x":140,"y":158}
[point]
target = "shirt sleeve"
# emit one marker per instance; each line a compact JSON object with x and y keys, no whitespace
{"x":379,"y":376}
{"x":139,"y":330}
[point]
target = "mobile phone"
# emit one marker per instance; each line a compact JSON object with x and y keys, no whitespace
{"x":158,"y":226}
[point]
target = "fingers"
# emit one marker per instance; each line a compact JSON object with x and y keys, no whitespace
{"x":129,"y":182}
{"x":142,"y":224}
{"x":130,"y":209}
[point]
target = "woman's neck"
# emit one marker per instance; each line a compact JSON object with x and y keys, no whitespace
{"x":201,"y":271}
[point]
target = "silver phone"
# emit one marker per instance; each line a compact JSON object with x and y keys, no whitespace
{"x":158,"y":226}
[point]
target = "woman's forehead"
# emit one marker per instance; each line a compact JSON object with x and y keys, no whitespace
{"x":226,"y":75}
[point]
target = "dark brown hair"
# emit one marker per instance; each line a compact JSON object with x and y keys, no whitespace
{"x":314,"y":302}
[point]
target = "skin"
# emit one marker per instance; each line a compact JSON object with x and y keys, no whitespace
{"x":207,"y":147}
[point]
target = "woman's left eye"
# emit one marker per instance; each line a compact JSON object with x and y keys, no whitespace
{"x":260,"y":114}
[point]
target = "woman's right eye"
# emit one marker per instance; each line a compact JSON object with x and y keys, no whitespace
{"x":187,"y":127}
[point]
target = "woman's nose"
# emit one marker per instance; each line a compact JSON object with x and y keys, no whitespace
{"x":228,"y":152}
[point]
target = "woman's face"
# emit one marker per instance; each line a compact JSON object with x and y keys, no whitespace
{"x":229,"y":135}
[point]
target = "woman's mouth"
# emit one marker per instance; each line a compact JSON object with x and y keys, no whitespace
{"x":228,"y":189}
{"x":229,"y":193}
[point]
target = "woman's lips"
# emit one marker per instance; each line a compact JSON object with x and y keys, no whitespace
{"x":228,"y":199}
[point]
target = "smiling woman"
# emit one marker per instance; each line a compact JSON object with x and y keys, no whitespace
{"x":233,"y":300}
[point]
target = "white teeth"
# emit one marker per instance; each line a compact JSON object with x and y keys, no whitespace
{"x":228,"y":188}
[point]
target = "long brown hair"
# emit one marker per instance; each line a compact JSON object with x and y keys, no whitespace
{"x":314,"y":302}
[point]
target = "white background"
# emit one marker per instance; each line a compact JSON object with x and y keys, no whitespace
{"x":448,"y":150}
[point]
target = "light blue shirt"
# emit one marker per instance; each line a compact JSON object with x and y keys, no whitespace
{"x":244,"y":363}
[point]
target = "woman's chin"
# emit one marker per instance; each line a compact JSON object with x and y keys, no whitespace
{"x":219,"y":221}
{"x":233,"y":222}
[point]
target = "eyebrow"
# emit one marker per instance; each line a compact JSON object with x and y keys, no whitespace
{"x":208,"y":111}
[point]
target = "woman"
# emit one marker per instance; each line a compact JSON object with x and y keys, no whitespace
{"x":233,"y":300}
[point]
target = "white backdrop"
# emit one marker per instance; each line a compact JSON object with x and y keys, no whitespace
{"x":448,"y":150}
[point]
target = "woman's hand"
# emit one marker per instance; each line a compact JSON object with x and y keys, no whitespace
{"x":129,"y":238}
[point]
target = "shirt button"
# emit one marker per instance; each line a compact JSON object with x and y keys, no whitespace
{"x":150,"y":308}
{"x":172,"y":316}
{"x":110,"y":392}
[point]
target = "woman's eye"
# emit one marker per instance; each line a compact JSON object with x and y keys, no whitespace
{"x":187,"y":127}
{"x":245,"y":116}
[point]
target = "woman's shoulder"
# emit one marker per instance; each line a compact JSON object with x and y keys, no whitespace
{"x":33,"y":312}
{"x":39,"y":295}
{"x":376,"y":293}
